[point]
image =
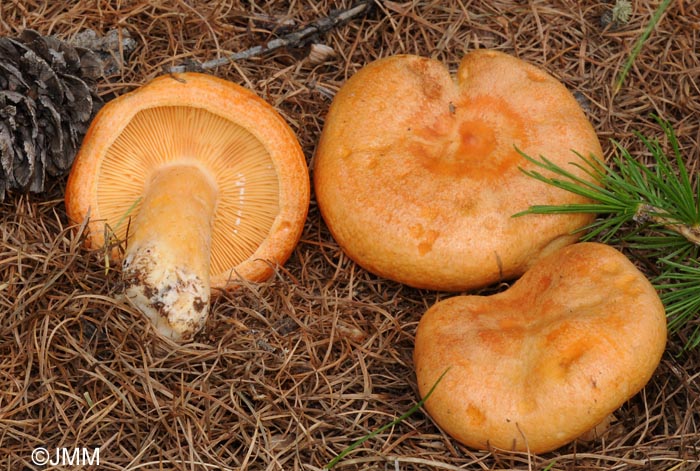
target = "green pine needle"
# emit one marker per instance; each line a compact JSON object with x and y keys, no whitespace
{"x":405,"y":416}
{"x":549,"y":466}
{"x":680,"y":293}
{"x":639,"y":44}
{"x":651,"y":209}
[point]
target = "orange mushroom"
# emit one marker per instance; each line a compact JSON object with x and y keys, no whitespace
{"x":417,"y":174}
{"x":538,"y":365}
{"x":213,"y":182}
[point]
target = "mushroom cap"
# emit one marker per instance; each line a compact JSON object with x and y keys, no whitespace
{"x":417,"y":174}
{"x":534,"y":367}
{"x":245,"y":145}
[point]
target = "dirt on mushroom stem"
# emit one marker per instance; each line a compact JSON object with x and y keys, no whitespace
{"x":166,"y":266}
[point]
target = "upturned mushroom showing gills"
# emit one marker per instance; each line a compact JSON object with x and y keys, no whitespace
{"x":205,"y":182}
{"x":417,"y":173}
{"x":538,"y":365}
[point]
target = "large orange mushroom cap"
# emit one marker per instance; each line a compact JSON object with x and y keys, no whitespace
{"x":417,"y":173}
{"x":538,"y":365}
{"x":197,"y":174}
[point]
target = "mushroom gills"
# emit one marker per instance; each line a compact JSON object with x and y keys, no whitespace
{"x":166,"y":265}
{"x":202,"y":181}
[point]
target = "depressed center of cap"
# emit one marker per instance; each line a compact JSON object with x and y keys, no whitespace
{"x":468,"y":140}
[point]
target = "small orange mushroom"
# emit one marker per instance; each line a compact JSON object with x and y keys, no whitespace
{"x":540,"y":364}
{"x":213,"y":181}
{"x":417,"y":173}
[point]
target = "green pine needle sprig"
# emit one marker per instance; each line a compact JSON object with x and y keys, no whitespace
{"x":652,"y":209}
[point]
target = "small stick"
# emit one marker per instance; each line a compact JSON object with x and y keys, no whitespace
{"x":646,"y":213}
{"x":320,"y":25}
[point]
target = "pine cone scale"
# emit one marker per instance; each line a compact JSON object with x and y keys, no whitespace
{"x":47,"y":99}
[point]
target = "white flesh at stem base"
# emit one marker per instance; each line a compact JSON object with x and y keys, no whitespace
{"x":166,"y":265}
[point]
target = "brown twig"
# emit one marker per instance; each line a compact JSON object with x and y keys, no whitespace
{"x":649,"y":213}
{"x":295,"y":39}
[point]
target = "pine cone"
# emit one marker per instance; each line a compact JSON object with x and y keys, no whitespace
{"x":47,"y":100}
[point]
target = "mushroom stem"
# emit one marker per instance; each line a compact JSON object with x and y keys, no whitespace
{"x":166,"y":265}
